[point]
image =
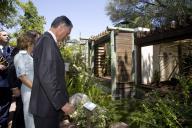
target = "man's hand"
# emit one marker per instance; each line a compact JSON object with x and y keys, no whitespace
{"x":68,"y":108}
{"x":2,"y":67}
{"x":16,"y":92}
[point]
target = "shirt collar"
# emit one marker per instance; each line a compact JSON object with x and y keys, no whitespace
{"x":1,"y":46}
{"x":23,"y":51}
{"x":53,"y":35}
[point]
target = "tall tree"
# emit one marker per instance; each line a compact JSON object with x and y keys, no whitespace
{"x":8,"y":13}
{"x":31,"y":20}
{"x":148,"y":13}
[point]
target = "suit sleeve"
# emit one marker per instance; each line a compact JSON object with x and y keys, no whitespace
{"x":54,"y":90}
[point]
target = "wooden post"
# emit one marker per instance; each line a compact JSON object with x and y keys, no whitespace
{"x":133,"y":71}
{"x":137,"y":64}
{"x":89,"y":53}
{"x":113,"y":65}
{"x":87,"y":49}
{"x":133,"y":57}
{"x":91,"y":61}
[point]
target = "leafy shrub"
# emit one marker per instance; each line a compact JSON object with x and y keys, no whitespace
{"x":172,"y":110}
{"x":79,"y":80}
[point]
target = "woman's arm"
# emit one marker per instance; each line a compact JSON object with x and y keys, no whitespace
{"x":25,"y":81}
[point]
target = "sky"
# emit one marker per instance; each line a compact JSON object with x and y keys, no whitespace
{"x":88,"y":16}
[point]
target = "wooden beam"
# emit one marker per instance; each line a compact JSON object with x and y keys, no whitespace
{"x":165,"y":36}
{"x":81,"y":38}
{"x":103,"y":39}
{"x":121,"y":29}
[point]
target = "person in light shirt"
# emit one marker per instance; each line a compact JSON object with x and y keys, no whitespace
{"x":23,"y":62}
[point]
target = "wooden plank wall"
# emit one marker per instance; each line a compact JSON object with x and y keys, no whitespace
{"x":124,"y":63}
{"x":99,"y":60}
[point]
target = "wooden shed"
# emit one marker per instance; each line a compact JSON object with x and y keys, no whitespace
{"x":110,"y":58}
{"x":116,"y":55}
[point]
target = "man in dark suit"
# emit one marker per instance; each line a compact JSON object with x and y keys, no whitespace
{"x":49,"y":93}
{"x":5,"y":92}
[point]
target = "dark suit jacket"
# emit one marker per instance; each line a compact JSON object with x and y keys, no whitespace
{"x":49,"y":92}
{"x":13,"y":81}
{"x":4,"y":73}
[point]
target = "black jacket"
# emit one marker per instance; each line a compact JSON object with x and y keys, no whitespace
{"x":49,"y":92}
{"x":7,"y":59}
{"x":11,"y":76}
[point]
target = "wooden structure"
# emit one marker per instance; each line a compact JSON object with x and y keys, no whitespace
{"x":117,"y":54}
{"x":162,"y":36}
{"x":111,"y":57}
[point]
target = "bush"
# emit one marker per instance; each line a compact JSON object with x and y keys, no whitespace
{"x":172,"y":110}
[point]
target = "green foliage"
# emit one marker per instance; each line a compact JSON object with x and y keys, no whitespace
{"x":13,"y":43}
{"x":96,"y":119}
{"x":119,"y":110}
{"x":172,"y":110}
{"x":123,"y":10}
{"x":149,"y":13}
{"x":155,"y":112}
{"x":79,"y":80}
{"x":74,"y":55}
{"x":8,"y":13}
{"x":76,"y":78}
{"x":186,"y":89}
{"x":67,"y":53}
{"x":30,"y":20}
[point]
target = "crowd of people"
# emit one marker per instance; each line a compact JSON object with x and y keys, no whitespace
{"x":33,"y":75}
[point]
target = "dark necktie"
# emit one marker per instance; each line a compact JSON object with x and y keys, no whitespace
{"x":4,"y":52}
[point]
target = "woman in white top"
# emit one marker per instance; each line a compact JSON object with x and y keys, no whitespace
{"x":23,"y":62}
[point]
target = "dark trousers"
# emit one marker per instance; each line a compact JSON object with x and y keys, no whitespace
{"x":5,"y":99}
{"x":18,"y":118}
{"x":46,"y":122}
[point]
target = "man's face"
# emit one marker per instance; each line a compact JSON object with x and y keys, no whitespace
{"x":4,"y":37}
{"x":64,"y":32}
